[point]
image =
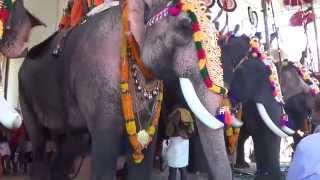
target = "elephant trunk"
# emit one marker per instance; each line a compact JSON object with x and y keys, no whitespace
{"x":204,"y":104}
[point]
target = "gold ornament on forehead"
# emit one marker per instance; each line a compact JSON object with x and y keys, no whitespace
{"x":209,"y":37}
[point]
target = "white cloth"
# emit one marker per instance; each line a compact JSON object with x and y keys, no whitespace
{"x":306,"y":161}
{"x":5,"y":149}
{"x":178,"y":152}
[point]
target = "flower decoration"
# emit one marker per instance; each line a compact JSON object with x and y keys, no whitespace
{"x":130,"y":52}
{"x":5,"y":8}
{"x":205,"y":37}
{"x":273,"y":78}
{"x":305,"y":74}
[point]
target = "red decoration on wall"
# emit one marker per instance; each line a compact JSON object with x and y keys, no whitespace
{"x":302,"y":18}
{"x":295,"y":2}
{"x":268,"y":1}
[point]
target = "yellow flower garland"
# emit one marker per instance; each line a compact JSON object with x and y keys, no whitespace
{"x":138,"y":140}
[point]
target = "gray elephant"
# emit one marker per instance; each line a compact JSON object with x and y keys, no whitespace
{"x":84,"y":87}
{"x":244,"y":87}
{"x":299,"y":105}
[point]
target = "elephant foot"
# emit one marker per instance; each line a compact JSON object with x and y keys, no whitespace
{"x":242,"y":165}
{"x":39,"y":171}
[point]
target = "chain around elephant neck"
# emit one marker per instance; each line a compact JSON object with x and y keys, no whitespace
{"x":205,"y":37}
{"x":6,"y":7}
{"x":130,"y":52}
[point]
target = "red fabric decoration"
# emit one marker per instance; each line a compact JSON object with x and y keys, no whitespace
{"x":302,"y":18}
{"x":295,"y":2}
{"x":268,"y":1}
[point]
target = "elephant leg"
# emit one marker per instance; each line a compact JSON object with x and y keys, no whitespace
{"x":105,"y":149}
{"x":144,"y":170}
{"x":267,"y":149}
{"x":70,"y":147}
{"x":214,"y":148}
{"x":39,"y":168}
{"x":240,"y":162}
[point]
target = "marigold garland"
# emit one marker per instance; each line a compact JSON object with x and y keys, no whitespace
{"x":305,"y":74}
{"x":273,"y":78}
{"x":139,"y":141}
{"x":205,"y":38}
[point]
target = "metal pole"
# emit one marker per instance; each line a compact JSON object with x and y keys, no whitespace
{"x":6,"y":78}
{"x":265,"y":18}
{"x":316,"y":35}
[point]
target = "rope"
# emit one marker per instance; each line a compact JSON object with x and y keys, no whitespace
{"x":276,"y":29}
{"x":78,"y":169}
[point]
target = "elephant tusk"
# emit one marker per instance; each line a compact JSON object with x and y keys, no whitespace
{"x":11,"y":120}
{"x":196,"y":106}
{"x":288,"y":130}
{"x":236,"y":123}
{"x":267,"y":120}
{"x":9,"y":117}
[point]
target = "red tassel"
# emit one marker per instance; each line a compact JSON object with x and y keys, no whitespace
{"x":174,"y":11}
{"x":208,"y":82}
{"x":274,"y":93}
{"x":4,"y":15}
{"x":201,"y":54}
{"x":195,"y":27}
{"x":227,"y":118}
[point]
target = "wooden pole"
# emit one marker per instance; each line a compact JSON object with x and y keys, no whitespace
{"x":316,"y":35}
{"x":266,"y":25}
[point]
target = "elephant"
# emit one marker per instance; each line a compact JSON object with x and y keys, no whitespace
{"x":254,"y":91}
{"x":84,"y":88}
{"x":299,"y":106}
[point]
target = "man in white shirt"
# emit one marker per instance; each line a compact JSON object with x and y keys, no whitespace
{"x":306,"y":161}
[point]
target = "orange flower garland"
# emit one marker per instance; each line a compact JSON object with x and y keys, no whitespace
{"x":139,"y":141}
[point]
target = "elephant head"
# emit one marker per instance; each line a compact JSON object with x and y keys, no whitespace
{"x":234,"y":52}
{"x":16,"y":29}
{"x":251,"y":84}
{"x":300,"y":98}
{"x":170,"y":52}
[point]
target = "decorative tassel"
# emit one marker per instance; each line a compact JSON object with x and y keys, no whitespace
{"x":174,"y":11}
{"x":284,"y":121}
